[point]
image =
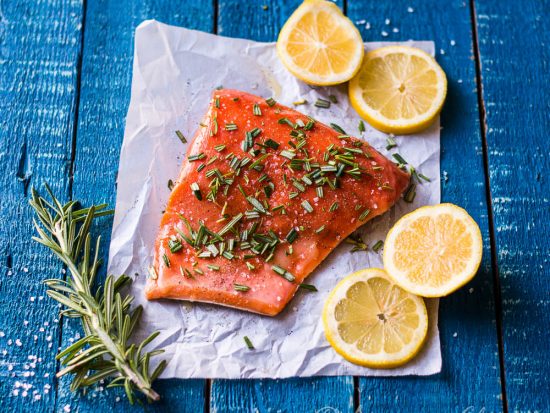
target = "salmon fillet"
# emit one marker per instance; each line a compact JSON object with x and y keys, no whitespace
{"x":264,"y":195}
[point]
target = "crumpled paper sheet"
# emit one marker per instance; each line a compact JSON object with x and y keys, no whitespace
{"x":174,"y":73}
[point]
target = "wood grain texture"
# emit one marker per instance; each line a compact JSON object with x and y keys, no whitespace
{"x":104,"y":98}
{"x":39,"y":48}
{"x":514,"y":46}
{"x":262,"y":21}
{"x":469,"y":380}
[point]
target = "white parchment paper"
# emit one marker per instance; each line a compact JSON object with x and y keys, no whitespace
{"x":174,"y":73}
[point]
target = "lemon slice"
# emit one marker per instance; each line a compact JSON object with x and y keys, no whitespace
{"x":434,"y":250}
{"x":399,"y":89}
{"x":372,"y":322}
{"x":319,"y":45}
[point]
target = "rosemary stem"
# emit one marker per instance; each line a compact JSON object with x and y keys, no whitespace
{"x":95,"y":324}
{"x":139,"y":381}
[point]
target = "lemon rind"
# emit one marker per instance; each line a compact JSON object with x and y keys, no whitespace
{"x":400,"y":278}
{"x":381,"y":360}
{"x":308,"y":77}
{"x":399,"y":126}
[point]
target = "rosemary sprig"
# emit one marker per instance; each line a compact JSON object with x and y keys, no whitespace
{"x":105,"y":314}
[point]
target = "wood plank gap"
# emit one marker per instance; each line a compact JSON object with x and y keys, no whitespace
{"x":70,"y":183}
{"x":356,"y":392}
{"x":77,"y":99}
{"x":207,"y":392}
{"x":356,"y":395}
{"x":490,"y":218}
{"x":215,"y":15}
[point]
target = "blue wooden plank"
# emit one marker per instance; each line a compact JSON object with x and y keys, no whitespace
{"x":39,"y":48}
{"x":514,"y":40}
{"x":262,"y":21}
{"x":470,"y":379}
{"x":104,"y":98}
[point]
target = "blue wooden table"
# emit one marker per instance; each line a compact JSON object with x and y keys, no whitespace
{"x":65,"y":71}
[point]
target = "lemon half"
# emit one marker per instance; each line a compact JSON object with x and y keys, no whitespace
{"x":372,"y":322}
{"x":399,"y":89}
{"x":434,"y":250}
{"x":319,"y":45}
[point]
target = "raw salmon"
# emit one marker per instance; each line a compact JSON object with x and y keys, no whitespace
{"x":264,"y":195}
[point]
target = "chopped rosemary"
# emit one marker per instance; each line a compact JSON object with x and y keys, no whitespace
{"x":230,"y":224}
{"x":197,"y":157}
{"x":217,"y":102}
{"x":271,"y":144}
{"x":364,"y":214}
{"x":286,"y":121}
{"x":299,"y":102}
{"x":256,"y":110}
{"x":220,"y":147}
{"x":287,"y":154}
{"x":213,"y":267}
{"x":308,"y":287}
{"x":181,"y":137}
{"x":320,"y":229}
{"x":399,"y":159}
{"x":214,"y":130}
{"x":333,"y":99}
{"x":310,"y":123}
{"x":270,"y":102}
{"x":241,"y":287}
{"x":166,"y":260}
{"x":361,"y":126}
{"x":170,"y":184}
{"x":307,"y":206}
{"x":248,"y":343}
{"x":410,"y":193}
{"x":338,"y":129}
{"x":256,"y":204}
{"x":230,"y":126}
{"x":292,"y":235}
{"x":333,"y":207}
{"x":174,"y":246}
{"x":196,"y":191}
{"x":391,"y":143}
{"x":424,"y":177}
{"x":357,"y":242}
{"x":283,"y":273}
{"x":378,"y":246}
{"x":186,"y":273}
{"x":322,"y":103}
